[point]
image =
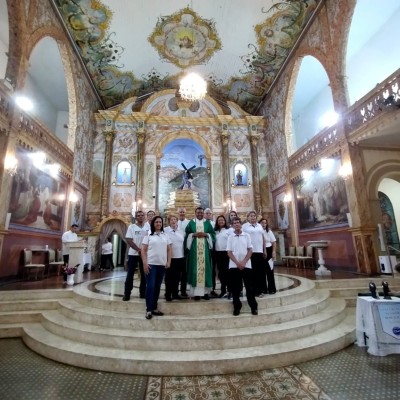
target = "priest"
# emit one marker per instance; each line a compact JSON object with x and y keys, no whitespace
{"x":199,"y":241}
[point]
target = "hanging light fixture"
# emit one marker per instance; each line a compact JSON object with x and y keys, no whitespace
{"x":193,"y":87}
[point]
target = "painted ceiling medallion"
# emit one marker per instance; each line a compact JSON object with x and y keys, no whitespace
{"x":185,"y":39}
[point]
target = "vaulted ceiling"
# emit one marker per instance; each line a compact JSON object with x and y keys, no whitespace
{"x":135,"y":47}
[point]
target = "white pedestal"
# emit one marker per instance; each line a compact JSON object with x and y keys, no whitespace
{"x":320,"y":245}
{"x":76,"y":250}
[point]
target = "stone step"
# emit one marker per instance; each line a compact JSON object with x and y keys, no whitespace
{"x":84,"y":294}
{"x":217,"y":337}
{"x":28,"y":305}
{"x":184,"y":363}
{"x":199,"y":318}
{"x":361,"y":283}
{"x":36,"y":295}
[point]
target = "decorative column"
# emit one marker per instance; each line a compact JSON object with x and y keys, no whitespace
{"x":140,"y":161}
{"x":156,"y":193}
{"x":363,"y":230}
{"x":105,"y":191}
{"x":254,"y":138}
{"x":224,"y":121}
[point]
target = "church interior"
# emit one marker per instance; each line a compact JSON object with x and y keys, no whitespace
{"x":293,"y":111}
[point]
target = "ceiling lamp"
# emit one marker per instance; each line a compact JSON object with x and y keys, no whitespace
{"x":193,"y":87}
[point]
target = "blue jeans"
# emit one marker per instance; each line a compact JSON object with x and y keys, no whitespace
{"x":153,"y":285}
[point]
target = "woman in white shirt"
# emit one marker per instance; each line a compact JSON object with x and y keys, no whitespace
{"x":270,"y":256}
{"x":156,"y":255}
{"x":222,"y":233}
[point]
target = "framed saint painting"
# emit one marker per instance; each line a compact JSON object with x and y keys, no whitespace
{"x":38,"y":195}
{"x":321,"y":199}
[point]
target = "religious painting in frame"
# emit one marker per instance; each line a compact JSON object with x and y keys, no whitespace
{"x":38,"y":195}
{"x":282,"y":212}
{"x":321,"y":198}
{"x":179,"y":156}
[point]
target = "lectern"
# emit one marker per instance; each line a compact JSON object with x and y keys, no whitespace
{"x":76,"y":250}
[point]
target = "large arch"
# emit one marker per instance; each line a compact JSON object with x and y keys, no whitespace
{"x":310,"y":98}
{"x":371,"y":56}
{"x":69,"y":73}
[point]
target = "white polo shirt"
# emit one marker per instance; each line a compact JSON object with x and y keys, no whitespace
{"x":221,"y":238}
{"x":256,"y":234}
{"x":182,"y":224}
{"x":239,"y":245}
{"x":136,"y":233}
{"x":66,"y":239}
{"x":269,"y":238}
{"x":157,"y":248}
{"x":177,"y":236}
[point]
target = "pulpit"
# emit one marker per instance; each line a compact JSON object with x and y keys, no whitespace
{"x":76,"y":252}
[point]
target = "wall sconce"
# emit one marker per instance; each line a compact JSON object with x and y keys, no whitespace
{"x":249,"y":184}
{"x":133,"y":183}
{"x":114,"y":181}
{"x":233,"y":183}
{"x":345,"y":171}
{"x":10,"y":164}
{"x":287,"y":198}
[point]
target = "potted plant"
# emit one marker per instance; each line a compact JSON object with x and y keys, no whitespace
{"x":69,"y":272}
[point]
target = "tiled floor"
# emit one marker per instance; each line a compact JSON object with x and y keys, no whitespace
{"x":350,"y":374}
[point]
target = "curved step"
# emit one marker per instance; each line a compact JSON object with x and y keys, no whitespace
{"x":183,"y":363}
{"x":85,"y":294}
{"x":200,"y":319}
{"x":216,"y":337}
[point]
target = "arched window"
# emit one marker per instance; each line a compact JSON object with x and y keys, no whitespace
{"x":240,"y":175}
{"x":124,"y":174}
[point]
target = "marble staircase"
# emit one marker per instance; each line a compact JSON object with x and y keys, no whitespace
{"x":94,"y":329}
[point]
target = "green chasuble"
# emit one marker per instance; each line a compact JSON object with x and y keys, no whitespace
{"x":199,"y":265}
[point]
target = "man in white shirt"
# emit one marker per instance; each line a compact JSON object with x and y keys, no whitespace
{"x":182,"y":220}
{"x":256,"y":231}
{"x":67,"y":238}
{"x":173,"y":275}
{"x":134,"y":237}
{"x":240,"y":249}
{"x":149,"y":217}
{"x":106,"y":255}
{"x":182,"y":224}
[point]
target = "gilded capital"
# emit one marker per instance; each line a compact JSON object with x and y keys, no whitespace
{"x":109,"y":136}
{"x":225,"y":138}
{"x":140,"y":137}
{"x":254,"y":139}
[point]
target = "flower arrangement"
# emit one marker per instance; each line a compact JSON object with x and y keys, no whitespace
{"x":71,"y":270}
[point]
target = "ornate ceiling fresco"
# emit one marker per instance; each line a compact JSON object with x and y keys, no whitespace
{"x":134,"y":47}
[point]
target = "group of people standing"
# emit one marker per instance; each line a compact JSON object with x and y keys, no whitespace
{"x":190,"y":254}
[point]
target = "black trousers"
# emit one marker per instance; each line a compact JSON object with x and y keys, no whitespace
{"x":259,"y":278}
{"x":238,"y":278}
{"x":133,"y":262}
{"x":107,"y":259}
{"x":173,"y":275}
{"x":222,"y":263}
{"x":271,"y":288}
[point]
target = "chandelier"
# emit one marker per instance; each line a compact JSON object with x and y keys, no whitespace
{"x":193,"y":87}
